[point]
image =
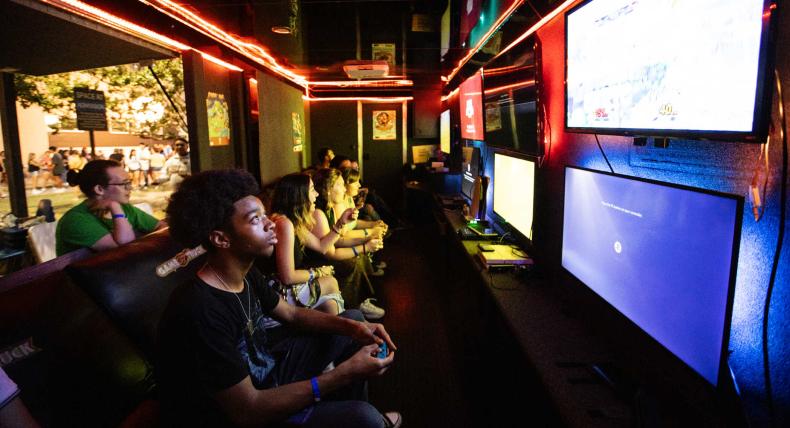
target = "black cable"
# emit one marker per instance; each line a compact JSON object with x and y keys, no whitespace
{"x":777,"y":253}
{"x":603,"y":153}
{"x":167,"y":95}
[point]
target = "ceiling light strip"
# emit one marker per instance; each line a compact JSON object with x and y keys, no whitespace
{"x":505,"y":15}
{"x":356,"y":84}
{"x":506,"y":87}
{"x":451,"y":94}
{"x":561,"y":8}
{"x":366,"y":99}
{"x":252,"y":51}
{"x":112,"y":21}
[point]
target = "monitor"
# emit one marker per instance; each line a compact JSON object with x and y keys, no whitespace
{"x":444,"y":131}
{"x":514,"y":193}
{"x":471,"y":166}
{"x":663,"y":255}
{"x":696,"y":69}
{"x":511,"y":119}
{"x":470,"y":103}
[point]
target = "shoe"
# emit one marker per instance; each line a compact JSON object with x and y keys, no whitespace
{"x":377,"y":272}
{"x":381,"y":265}
{"x":37,"y":191}
{"x":393,"y":419}
{"x":371,"y":311}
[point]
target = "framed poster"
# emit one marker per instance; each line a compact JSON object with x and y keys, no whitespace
{"x":384,"y":122}
{"x":298,"y":133}
{"x":493,"y":116}
{"x":218,"y":120}
{"x":384,"y":52}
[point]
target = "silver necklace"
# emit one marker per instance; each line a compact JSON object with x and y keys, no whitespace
{"x":250,"y":325}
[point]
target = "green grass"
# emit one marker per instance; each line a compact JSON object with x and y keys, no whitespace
{"x":62,"y":202}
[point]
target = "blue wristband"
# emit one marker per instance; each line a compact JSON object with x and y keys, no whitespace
{"x":119,"y":216}
{"x":316,"y":391}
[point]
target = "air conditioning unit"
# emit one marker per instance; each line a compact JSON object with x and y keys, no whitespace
{"x":366,"y":69}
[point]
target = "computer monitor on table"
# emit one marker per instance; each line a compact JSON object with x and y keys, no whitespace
{"x":663,"y":255}
{"x":471,"y":170}
{"x":514,"y":195}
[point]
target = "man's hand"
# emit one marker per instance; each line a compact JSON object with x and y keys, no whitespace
{"x":372,"y":333}
{"x":364,"y":364}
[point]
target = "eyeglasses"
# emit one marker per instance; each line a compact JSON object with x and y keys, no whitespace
{"x":126,"y":184}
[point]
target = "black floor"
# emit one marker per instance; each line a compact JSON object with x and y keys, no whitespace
{"x":456,"y":365}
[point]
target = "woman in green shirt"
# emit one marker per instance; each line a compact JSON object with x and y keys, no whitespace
{"x":105,"y":219}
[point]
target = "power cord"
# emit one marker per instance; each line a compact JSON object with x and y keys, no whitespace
{"x":603,"y":153}
{"x":777,"y":253}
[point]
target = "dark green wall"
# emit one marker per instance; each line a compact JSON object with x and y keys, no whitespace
{"x":200,"y":78}
{"x":277,"y":100}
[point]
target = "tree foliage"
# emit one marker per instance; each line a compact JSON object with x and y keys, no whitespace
{"x":135,"y":102}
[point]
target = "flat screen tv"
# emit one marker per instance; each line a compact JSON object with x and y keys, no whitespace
{"x":695,"y":69}
{"x":663,"y":255}
{"x":470,"y":103}
{"x":471,"y":169}
{"x":444,"y":131}
{"x":512,"y":120}
{"x":514,"y":193}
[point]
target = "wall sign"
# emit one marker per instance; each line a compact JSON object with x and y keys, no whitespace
{"x":384,"y":124}
{"x":218,"y":120}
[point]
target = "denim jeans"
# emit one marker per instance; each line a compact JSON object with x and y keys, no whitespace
{"x":303,"y":356}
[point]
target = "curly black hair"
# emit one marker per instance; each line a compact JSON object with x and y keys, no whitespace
{"x":204,"y":202}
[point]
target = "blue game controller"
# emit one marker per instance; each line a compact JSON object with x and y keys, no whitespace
{"x":382,"y":351}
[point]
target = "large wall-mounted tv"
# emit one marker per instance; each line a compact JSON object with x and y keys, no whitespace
{"x":514,"y":193}
{"x":512,"y":119}
{"x":695,"y":69}
{"x":470,"y":103}
{"x":663,"y":255}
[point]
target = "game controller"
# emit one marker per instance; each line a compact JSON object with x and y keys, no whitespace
{"x":382,"y":351}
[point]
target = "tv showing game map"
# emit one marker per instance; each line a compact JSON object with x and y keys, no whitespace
{"x":668,"y":68}
{"x":663,"y":255}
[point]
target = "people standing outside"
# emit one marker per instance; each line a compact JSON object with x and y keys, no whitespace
{"x":144,"y":154}
{"x":58,"y":169}
{"x":33,"y":169}
{"x":178,"y":166}
{"x":157,"y":163}
{"x":133,"y":166}
{"x":105,"y":219}
{"x":218,"y":364}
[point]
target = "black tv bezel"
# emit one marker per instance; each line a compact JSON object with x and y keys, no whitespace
{"x":501,"y":222}
{"x":762,"y":105}
{"x":723,"y":373}
{"x":539,"y":146}
{"x":479,"y":164}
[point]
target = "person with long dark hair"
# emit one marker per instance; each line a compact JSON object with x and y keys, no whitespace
{"x":105,"y":219}
{"x":293,"y":203}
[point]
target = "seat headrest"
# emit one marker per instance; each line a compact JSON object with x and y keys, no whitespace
{"x":124,"y":282}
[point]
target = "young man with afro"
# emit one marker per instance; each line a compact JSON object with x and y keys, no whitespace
{"x":217,"y":365}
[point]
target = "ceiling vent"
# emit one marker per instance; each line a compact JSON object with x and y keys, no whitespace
{"x":366,"y":69}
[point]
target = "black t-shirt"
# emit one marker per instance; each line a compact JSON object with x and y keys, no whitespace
{"x":204,"y":347}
